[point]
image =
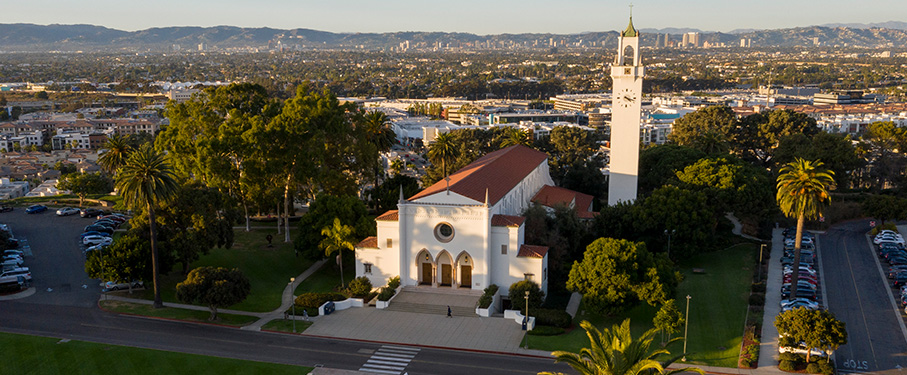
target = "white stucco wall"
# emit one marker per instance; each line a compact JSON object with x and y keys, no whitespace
{"x":517,"y":199}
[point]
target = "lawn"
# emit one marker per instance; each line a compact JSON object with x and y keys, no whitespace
{"x":44,"y":355}
{"x":269,"y":269}
{"x":286,"y":325}
{"x":326,"y":279}
{"x":717,"y":310}
{"x":175,"y":313}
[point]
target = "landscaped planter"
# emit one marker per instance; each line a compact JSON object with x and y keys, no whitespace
{"x":517,"y":316}
{"x":342,"y":305}
{"x":383,"y":304}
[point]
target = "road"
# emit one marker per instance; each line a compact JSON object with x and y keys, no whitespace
{"x":57,"y":268}
{"x":858,"y":295}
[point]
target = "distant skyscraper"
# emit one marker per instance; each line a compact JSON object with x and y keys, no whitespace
{"x":686,"y":40}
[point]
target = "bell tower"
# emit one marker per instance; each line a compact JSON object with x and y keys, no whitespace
{"x":627,"y":74}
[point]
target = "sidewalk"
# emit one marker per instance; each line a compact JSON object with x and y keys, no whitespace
{"x":768,"y":350}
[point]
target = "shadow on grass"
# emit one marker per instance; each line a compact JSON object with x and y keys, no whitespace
{"x":175,"y":313}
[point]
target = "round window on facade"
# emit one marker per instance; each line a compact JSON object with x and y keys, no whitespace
{"x":444,"y":232}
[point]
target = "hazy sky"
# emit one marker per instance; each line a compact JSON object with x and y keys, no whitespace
{"x":480,"y":17}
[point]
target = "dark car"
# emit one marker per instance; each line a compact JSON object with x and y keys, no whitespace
{"x":899,"y":280}
{"x":89,"y":212}
{"x":6,"y":208}
{"x":801,"y":293}
{"x":33,"y":209}
{"x":99,"y":228}
{"x":95,"y":233}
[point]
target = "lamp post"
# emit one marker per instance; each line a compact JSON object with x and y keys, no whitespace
{"x":527,"y":320}
{"x":292,"y":279}
{"x":669,"y":234}
{"x":686,"y":325}
{"x":761,"y":251}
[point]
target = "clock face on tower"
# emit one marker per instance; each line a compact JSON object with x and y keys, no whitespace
{"x":626,"y":98}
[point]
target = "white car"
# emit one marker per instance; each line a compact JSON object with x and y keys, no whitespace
{"x":21,"y":271}
{"x":12,"y":263}
{"x":96,"y":240}
{"x":66,"y":211}
{"x":96,"y":247}
{"x":888,"y":238}
{"x":110,"y":286}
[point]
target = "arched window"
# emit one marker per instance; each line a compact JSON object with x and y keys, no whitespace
{"x":628,"y":55}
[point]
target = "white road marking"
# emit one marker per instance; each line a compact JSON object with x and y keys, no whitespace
{"x":389,"y":359}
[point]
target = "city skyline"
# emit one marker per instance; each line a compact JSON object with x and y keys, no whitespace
{"x":468,"y":16}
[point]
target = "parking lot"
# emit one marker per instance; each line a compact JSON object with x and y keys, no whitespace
{"x":858,"y":295}
{"x":57,"y":263}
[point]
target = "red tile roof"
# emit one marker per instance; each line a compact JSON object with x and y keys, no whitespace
{"x":532,"y":251}
{"x":368,"y":243}
{"x":551,"y":196}
{"x":507,"y":221}
{"x":392,"y":215}
{"x":499,"y":172}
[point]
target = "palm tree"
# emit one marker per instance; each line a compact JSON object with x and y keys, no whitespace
{"x":516,"y":136}
{"x":397,"y":166}
{"x":338,"y":237}
{"x":147,"y":179}
{"x":615,"y":352}
{"x":443,"y":150}
{"x":802,"y":191}
{"x":379,"y":135}
{"x":117,"y":153}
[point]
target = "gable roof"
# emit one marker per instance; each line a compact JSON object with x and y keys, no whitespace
{"x":551,"y":196}
{"x":392,"y":215}
{"x":368,"y":243}
{"x":532,"y":251}
{"x":507,"y":221}
{"x":498,"y":172}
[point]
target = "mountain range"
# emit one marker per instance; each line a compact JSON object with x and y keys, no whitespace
{"x":55,"y":37}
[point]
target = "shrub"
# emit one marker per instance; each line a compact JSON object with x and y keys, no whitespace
{"x":540,"y":330}
{"x":813,"y":368}
{"x":826,"y":368}
{"x":491,"y":290}
{"x":485,"y":301}
{"x":370,"y":296}
{"x":386,"y":294}
{"x":878,"y":228}
{"x":758,"y":287}
{"x":788,"y":366}
{"x":518,"y":295}
{"x":311,"y":301}
{"x":393,"y":282}
{"x":788,"y":357}
{"x":360,"y":287}
{"x":757,"y":299}
{"x":551,"y":317}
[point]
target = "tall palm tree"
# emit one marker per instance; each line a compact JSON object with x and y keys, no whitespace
{"x":616,"y":352}
{"x":802,"y":193}
{"x":516,"y":136}
{"x":147,"y":179}
{"x":338,"y":237}
{"x":379,"y":135}
{"x":443,"y":150}
{"x":118,"y":150}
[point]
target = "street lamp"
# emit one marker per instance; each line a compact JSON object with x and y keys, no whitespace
{"x":527,"y":320}
{"x":669,"y":234}
{"x":761,"y":251}
{"x":292,"y":279}
{"x":686,"y":325}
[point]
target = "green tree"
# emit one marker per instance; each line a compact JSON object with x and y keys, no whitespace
{"x":884,"y":207}
{"x":41,"y":95}
{"x":616,"y":352}
{"x":117,"y":154}
{"x":730,"y":185}
{"x":686,"y":212}
{"x":710,"y":129}
{"x":818,"y":329}
{"x":658,"y":165}
{"x":761,"y":133}
{"x":337,"y":237}
{"x":443,"y":151}
{"x":517,"y":294}
{"x":215,"y":287}
{"x":387,"y":194}
{"x":802,"y":192}
{"x":837,"y":151}
{"x":615,"y":275}
{"x":668,"y":320}
{"x":882,"y":143}
{"x":197,"y":219}
{"x":397,"y":166}
{"x":517,"y":136}
{"x":322,"y":211}
{"x":83,"y":184}
{"x":147,"y":179}
{"x":124,"y":261}
{"x":379,"y":136}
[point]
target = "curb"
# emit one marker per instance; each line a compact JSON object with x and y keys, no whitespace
{"x":165,"y":319}
{"x":426,"y":346}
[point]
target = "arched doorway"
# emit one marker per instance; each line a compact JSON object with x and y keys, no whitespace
{"x":465,"y":264}
{"x":445,"y":267}
{"x":426,"y":267}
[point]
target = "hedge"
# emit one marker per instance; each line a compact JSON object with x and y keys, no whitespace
{"x":787,"y":366}
{"x":386,"y":294}
{"x":360,"y":287}
{"x":393,"y":282}
{"x":551,"y":317}
{"x":546,"y":331}
{"x":488,"y":296}
{"x":311,"y":301}
{"x":757,"y":299}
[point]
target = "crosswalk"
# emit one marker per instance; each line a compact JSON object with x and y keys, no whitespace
{"x":389,"y":359}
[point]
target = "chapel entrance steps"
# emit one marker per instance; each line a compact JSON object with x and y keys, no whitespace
{"x":427,"y":300}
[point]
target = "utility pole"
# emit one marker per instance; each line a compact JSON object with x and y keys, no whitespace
{"x":686,"y":326}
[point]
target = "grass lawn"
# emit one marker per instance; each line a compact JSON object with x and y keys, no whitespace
{"x":717,"y":310}
{"x":43,"y":355}
{"x":268,"y":269}
{"x":286,"y":325}
{"x":326,"y":279}
{"x":175,"y":313}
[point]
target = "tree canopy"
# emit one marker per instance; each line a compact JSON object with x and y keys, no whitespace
{"x":215,"y":287}
{"x":83,"y":184}
{"x":818,"y":329}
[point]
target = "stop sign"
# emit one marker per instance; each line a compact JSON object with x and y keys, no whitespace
{"x":872,"y":224}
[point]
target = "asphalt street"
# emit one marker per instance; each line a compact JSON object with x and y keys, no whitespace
{"x":57,"y":268}
{"x":858,"y":295}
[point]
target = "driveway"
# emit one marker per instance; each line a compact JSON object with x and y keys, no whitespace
{"x":56,"y":264}
{"x":859,"y":295}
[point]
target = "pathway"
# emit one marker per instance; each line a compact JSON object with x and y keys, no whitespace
{"x":768,"y":350}
{"x":738,"y":227}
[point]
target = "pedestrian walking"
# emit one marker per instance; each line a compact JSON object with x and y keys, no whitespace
{"x":448,"y":312}
{"x":305,"y":315}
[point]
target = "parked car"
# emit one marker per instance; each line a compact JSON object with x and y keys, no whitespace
{"x":95,"y":233}
{"x":14,"y":252}
{"x":66,"y":211}
{"x":115,"y":217}
{"x":798,"y":300}
{"x":109,"y":223}
{"x":95,"y":247}
{"x":96,"y":240}
{"x":12,"y":263}
{"x":899,"y":281}
{"x":801,"y":293}
{"x":21,"y":271}
{"x":6,"y":208}
{"x":888,"y":238}
{"x":89,"y":212}
{"x":36,"y":208}
{"x":99,"y":228}
{"x":111,"y":286}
